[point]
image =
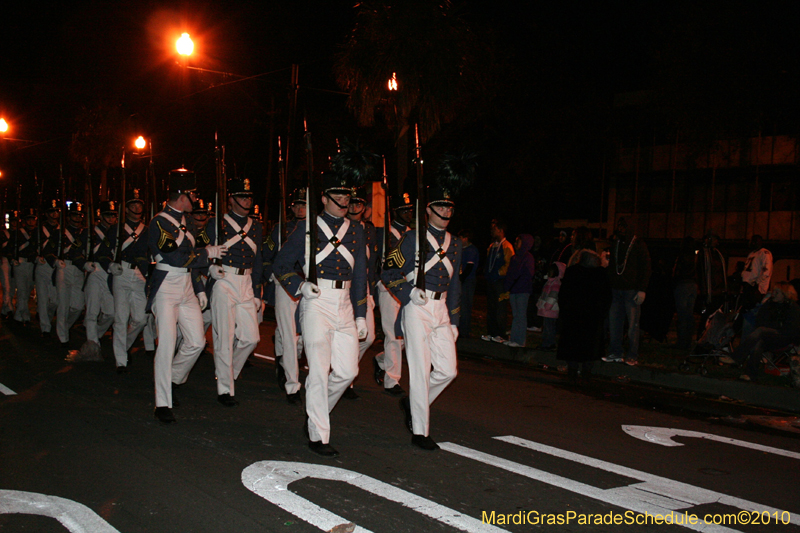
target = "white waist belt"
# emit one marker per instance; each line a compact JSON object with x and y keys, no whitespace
{"x":333,"y":284}
{"x":237,"y":271}
{"x":433,"y":295}
{"x":125,"y":264}
{"x":170,"y":268}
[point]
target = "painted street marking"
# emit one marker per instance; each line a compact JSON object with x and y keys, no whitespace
{"x":267,"y":357}
{"x":75,"y":517}
{"x":663,"y":436}
{"x":654,"y":495}
{"x":271,"y":479}
{"x":5,"y":390}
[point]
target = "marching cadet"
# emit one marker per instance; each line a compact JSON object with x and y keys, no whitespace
{"x":288,"y":344}
{"x":388,"y":365}
{"x":69,"y":272}
{"x":430,"y":320}
{"x":128,"y":275}
{"x":99,"y":301}
{"x":203,"y":236}
{"x":333,"y":310}
{"x":26,"y":254}
{"x":6,"y":260}
{"x":233,"y":287}
{"x":355,"y":213}
{"x":173,"y":297}
{"x":46,"y":294}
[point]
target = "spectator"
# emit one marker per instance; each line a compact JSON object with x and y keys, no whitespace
{"x":563,"y":247}
{"x":684,"y":280}
{"x":777,"y":326}
{"x":534,"y":320}
{"x":468,"y":275}
{"x":629,"y":273}
{"x":582,"y":239}
{"x":757,"y":273}
{"x":499,"y":257}
{"x":583,"y":302}
{"x":711,"y":278}
{"x":548,"y":305}
{"x":519,"y":284}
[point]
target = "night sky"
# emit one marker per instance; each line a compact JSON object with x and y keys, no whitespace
{"x":542,"y":134}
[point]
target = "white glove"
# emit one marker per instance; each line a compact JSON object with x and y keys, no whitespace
{"x":88,"y":266}
{"x":41,"y":260}
{"x":361,"y":326}
{"x":203,"y":299}
{"x":257,"y":302}
{"x":216,"y":252}
{"x":216,"y":272}
{"x":639,"y":298}
{"x":455,"y":332}
{"x":418,"y":296}
{"x":61,"y":264}
{"x":309,"y":290}
{"x":115,"y":269}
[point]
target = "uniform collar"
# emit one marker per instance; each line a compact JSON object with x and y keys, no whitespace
{"x":398,"y":225}
{"x":171,"y":210}
{"x":237,"y":218}
{"x":327,"y":217}
{"x":133,"y":224}
{"x":438,"y":233}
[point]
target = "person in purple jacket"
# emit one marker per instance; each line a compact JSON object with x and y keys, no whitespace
{"x":519,"y":284}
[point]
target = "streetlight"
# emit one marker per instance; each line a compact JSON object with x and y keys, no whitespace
{"x":3,"y":125}
{"x":140,"y":143}
{"x":393,"y":82}
{"x":184,"y":45}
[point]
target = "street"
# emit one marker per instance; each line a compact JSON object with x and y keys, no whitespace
{"x":81,"y":451}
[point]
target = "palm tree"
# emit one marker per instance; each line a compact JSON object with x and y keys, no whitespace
{"x":438,"y":61}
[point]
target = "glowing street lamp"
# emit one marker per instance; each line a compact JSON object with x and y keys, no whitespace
{"x":3,"y":125}
{"x":185,"y":45}
{"x":393,"y":82}
{"x":140,"y":143}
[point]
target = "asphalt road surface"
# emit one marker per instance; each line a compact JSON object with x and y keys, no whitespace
{"x":80,"y":450}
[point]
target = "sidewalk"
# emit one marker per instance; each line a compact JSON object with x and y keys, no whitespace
{"x":754,"y":394}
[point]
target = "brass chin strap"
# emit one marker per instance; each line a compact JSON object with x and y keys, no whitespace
{"x":340,"y":206}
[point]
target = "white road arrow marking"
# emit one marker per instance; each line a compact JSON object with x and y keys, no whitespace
{"x":75,"y":517}
{"x":5,"y":390}
{"x":663,"y":436}
{"x":271,"y":479}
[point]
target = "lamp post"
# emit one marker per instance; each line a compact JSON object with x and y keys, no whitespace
{"x":3,"y":125}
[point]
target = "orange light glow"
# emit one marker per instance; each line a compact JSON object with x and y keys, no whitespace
{"x":3,"y":125}
{"x":185,"y":45}
{"x":393,"y":82}
{"x":140,"y":143}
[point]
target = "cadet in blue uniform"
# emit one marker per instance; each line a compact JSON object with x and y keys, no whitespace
{"x":429,"y":317}
{"x":69,"y":272}
{"x":6,"y":261}
{"x":288,"y":344}
{"x":25,"y":256}
{"x":233,"y":287}
{"x":129,"y":279}
{"x":388,"y":365}
{"x":355,"y":213}
{"x":47,"y":244}
{"x":172,"y":291}
{"x":327,"y":309}
{"x":204,"y":234}
{"x":99,"y":301}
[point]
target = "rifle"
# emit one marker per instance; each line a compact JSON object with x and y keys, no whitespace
{"x":386,"y":207}
{"x":19,"y":226}
{"x":422,"y":241}
{"x":283,"y":203}
{"x":62,"y":219}
{"x":90,"y":225}
{"x":154,"y":195}
{"x":39,"y":192}
{"x":219,"y":156}
{"x":121,"y":217}
{"x":311,"y":207}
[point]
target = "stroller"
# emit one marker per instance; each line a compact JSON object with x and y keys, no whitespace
{"x":715,"y":341}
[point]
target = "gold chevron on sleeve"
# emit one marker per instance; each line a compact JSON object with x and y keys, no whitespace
{"x":395,"y":258}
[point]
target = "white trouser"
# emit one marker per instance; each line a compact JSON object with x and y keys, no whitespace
{"x":99,"y":305}
{"x":364,"y":345}
{"x":285,"y":309}
{"x":235,"y":327}
{"x":130,"y":302}
{"x":23,"y":277}
{"x":9,"y":285}
{"x":149,"y":333}
{"x":175,"y":306}
{"x":69,"y":282}
{"x":46,"y":296}
{"x":331,"y":343}
{"x":391,"y":359}
{"x":429,"y":341}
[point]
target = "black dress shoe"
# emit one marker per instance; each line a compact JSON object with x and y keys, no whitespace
{"x":405,"y":406}
{"x":426,"y":443}
{"x":377,"y":372}
{"x":397,"y":390}
{"x":176,"y":402}
{"x":227,"y":400}
{"x":294,"y":399}
{"x":122,"y":369}
{"x":350,"y":394}
{"x":280,"y":374}
{"x":164,"y":414}
{"x":325,"y":450}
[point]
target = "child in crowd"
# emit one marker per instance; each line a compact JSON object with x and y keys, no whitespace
{"x":548,"y":305}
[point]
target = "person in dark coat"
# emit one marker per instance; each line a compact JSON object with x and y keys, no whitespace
{"x":583,"y":300}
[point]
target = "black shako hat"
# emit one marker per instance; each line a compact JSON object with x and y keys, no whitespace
{"x":401,"y":202}
{"x":182,"y":181}
{"x":239,"y":187}
{"x":108,"y":207}
{"x":298,"y":196}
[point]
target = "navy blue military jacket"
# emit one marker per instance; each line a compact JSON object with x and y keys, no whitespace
{"x":202,"y":238}
{"x":442,"y":265}
{"x":243,"y":237}
{"x":171,"y":242}
{"x":27,"y":244}
{"x":334,"y":254}
{"x":48,"y":236}
{"x":74,"y":245}
{"x":269,"y":250}
{"x":102,"y":251}
{"x":134,"y":244}
{"x":5,"y":245}
{"x":372,"y":252}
